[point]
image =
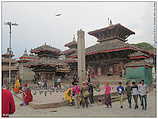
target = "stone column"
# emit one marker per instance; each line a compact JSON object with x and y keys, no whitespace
{"x":81,"y":55}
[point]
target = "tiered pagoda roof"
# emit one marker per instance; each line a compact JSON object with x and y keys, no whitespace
{"x":72,"y":44}
{"x":6,"y":57}
{"x":141,"y":63}
{"x":112,"y":39}
{"x":69,"y":51}
{"x":108,"y":46}
{"x":72,"y":50}
{"x":70,"y":60}
{"x":6,"y":68}
{"x":27,"y":58}
{"x":5,"y":62}
{"x":7,"y":54}
{"x":111,"y":32}
{"x":138,"y":55}
{"x":47,"y":62}
{"x":46,"y":50}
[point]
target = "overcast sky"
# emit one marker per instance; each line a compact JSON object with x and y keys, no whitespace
{"x":38,"y":23}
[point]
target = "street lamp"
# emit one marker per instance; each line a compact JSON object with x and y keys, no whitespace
{"x":10,"y":24}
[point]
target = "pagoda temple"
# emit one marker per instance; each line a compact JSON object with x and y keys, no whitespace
{"x":26,"y":74}
{"x":5,"y":68}
{"x":111,"y":53}
{"x":47,"y":65}
{"x":26,"y":57}
{"x":72,"y":49}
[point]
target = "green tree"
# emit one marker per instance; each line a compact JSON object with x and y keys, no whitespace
{"x":144,"y":45}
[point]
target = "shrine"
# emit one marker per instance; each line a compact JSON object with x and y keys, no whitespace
{"x":26,"y":74}
{"x":72,"y":62}
{"x":5,"y":68}
{"x":47,"y":65}
{"x":111,"y":53}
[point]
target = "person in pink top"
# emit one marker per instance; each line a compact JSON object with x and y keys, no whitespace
{"x":76,"y":93}
{"x":107,"y":94}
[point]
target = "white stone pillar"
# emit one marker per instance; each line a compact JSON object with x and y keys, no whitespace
{"x":81,"y":55}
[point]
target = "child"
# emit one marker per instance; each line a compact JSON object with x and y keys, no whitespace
{"x":120,"y":90}
{"x":107,"y":95}
{"x":128,"y":90}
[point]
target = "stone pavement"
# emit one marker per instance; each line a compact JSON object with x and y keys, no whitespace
{"x":47,"y":98}
{"x":93,"y":111}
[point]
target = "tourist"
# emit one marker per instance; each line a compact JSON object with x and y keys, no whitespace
{"x":8,"y":104}
{"x":27,"y":95}
{"x":128,"y":90}
{"x":55,"y":83}
{"x":45,"y":84}
{"x":90,"y":90}
{"x":76,"y":94}
{"x":120,"y":90}
{"x":68,"y":95}
{"x":59,"y":82}
{"x":107,"y":94}
{"x":139,"y":85}
{"x":84,"y":95}
{"x":143,"y":93}
{"x":135,"y":93}
{"x":88,"y":76}
{"x":16,"y":86}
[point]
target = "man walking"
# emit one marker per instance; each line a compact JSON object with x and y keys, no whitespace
{"x":143,"y":93}
{"x":135,"y":94}
{"x":120,"y":90}
{"x":59,"y":82}
{"x":128,"y":90}
{"x":90,"y":89}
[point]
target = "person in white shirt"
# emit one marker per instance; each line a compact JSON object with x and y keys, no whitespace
{"x":143,"y":92}
{"x":59,"y":82}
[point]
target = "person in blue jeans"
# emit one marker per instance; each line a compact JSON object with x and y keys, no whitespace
{"x":143,"y":93}
{"x":120,"y":90}
{"x":135,"y":94}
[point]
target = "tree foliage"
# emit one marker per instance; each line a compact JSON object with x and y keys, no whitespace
{"x":145,"y":46}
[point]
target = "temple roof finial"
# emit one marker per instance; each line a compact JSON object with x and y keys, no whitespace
{"x":8,"y":50}
{"x":25,"y":52}
{"x":109,"y":21}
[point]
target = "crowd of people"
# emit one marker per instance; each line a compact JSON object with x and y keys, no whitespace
{"x":44,"y":83}
{"x":83,"y":95}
